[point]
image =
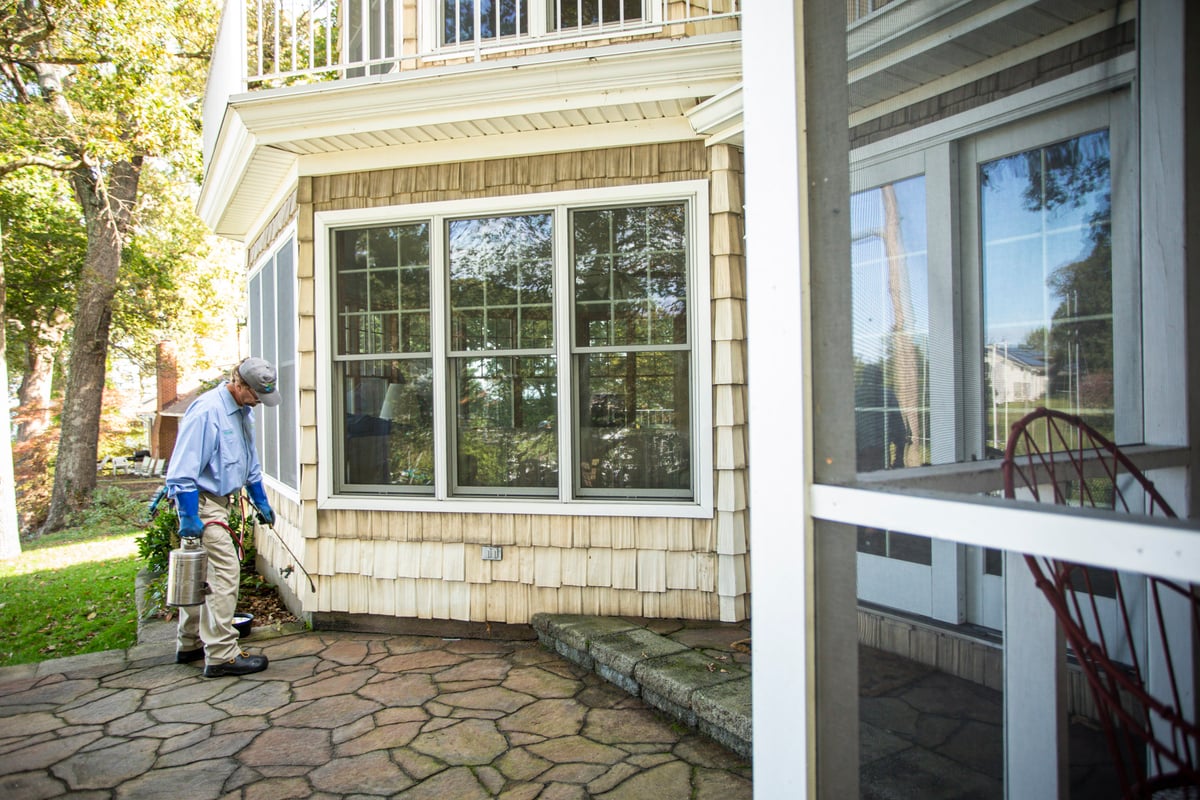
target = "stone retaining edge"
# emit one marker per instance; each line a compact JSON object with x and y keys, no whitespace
{"x":713,"y":699}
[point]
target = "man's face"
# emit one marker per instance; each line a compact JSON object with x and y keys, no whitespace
{"x":244,"y":395}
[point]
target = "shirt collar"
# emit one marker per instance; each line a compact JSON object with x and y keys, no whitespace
{"x":231,"y":406}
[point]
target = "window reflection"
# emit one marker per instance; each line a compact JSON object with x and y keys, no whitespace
{"x":506,"y":423}
{"x":1047,"y":284}
{"x":891,"y":325}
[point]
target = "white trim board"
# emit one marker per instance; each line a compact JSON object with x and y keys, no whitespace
{"x":1168,"y":548}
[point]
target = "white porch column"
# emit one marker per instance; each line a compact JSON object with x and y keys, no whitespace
{"x":1168,"y":100}
{"x":800,"y":424}
{"x":1035,"y":705}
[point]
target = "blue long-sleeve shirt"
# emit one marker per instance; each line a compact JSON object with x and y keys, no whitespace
{"x":214,"y":449}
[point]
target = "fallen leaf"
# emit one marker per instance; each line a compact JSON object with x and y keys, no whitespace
{"x":92,"y":615}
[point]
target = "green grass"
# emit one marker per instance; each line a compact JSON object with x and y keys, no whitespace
{"x":69,"y":593}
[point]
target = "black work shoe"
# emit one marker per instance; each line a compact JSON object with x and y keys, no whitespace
{"x":242,"y":665}
{"x":188,"y":656}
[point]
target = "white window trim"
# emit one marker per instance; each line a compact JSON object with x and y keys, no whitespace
{"x":699,"y":269}
{"x":287,"y":235}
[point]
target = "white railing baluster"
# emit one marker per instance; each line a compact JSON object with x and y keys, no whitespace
{"x":258,"y":22}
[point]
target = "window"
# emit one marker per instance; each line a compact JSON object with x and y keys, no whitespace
{"x":584,"y":13}
{"x":1047,"y":283}
{"x":499,"y":19}
{"x":272,"y":317}
{"x":984,"y":284}
{"x":540,"y":353}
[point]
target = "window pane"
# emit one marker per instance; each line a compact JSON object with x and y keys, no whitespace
{"x":382,"y":292}
{"x":1047,"y":284}
{"x":388,"y":425}
{"x":496,"y":18}
{"x":501,"y":273}
{"x":890,"y":279}
{"x":630,"y":276}
{"x":634,"y":422}
{"x":571,"y":14}
{"x":506,"y":422}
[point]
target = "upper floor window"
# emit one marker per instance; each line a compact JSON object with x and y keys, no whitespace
{"x":498,"y":19}
{"x":546,"y":353}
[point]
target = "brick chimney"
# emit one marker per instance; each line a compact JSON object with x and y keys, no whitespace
{"x":162,"y":436}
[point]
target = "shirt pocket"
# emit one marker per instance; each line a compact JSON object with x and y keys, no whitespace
{"x":229,"y":450}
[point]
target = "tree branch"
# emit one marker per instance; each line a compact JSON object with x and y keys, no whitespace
{"x":38,"y":161}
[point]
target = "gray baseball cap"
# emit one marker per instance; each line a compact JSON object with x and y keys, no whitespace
{"x":260,"y":376}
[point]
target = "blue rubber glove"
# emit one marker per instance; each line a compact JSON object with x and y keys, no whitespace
{"x":152,"y":508}
{"x":188,"y":505}
{"x":258,"y":496}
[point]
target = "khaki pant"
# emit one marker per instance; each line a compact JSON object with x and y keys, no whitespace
{"x":212,"y":622}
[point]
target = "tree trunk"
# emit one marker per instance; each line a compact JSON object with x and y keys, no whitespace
{"x":33,"y":396}
{"x":908,"y":379}
{"x":107,"y":211}
{"x":10,"y":531}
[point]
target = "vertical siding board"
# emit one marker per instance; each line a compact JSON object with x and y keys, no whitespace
{"x":651,"y":571}
{"x":574,"y":567}
{"x":453,"y":562}
{"x":547,"y":567}
{"x":599,"y":567}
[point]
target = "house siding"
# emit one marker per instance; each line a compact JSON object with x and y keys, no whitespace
{"x":428,"y":565}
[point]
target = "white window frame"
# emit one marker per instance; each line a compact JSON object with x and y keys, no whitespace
{"x":694,"y":193}
{"x":291,"y":393}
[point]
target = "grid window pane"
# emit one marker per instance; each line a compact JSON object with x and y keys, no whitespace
{"x":1047,"y":284}
{"x":506,"y":423}
{"x":634,"y":426}
{"x":382,"y":289}
{"x":387,"y":428}
{"x":630,"y":269}
{"x":501,"y":269}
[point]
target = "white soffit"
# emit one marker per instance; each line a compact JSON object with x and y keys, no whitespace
{"x":922,"y":43}
{"x":634,"y":91}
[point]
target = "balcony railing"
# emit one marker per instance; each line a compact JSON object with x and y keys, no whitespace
{"x":267,"y":44}
{"x":299,"y":41}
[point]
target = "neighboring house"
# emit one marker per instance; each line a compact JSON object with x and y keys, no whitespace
{"x":499,"y":262}
{"x":169,"y":405}
{"x":1017,"y":374}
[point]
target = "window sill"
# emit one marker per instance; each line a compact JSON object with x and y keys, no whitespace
{"x":521,"y":506}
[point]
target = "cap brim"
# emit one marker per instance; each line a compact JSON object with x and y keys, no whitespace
{"x":273,"y":399}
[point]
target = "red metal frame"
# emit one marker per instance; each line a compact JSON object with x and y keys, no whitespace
{"x":1059,"y":456}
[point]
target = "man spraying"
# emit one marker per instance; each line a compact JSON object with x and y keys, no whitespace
{"x":213,"y":459}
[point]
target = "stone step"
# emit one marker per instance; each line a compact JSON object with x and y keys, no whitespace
{"x":702,"y":693}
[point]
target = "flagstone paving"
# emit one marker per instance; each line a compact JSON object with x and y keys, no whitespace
{"x":347,"y":714}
